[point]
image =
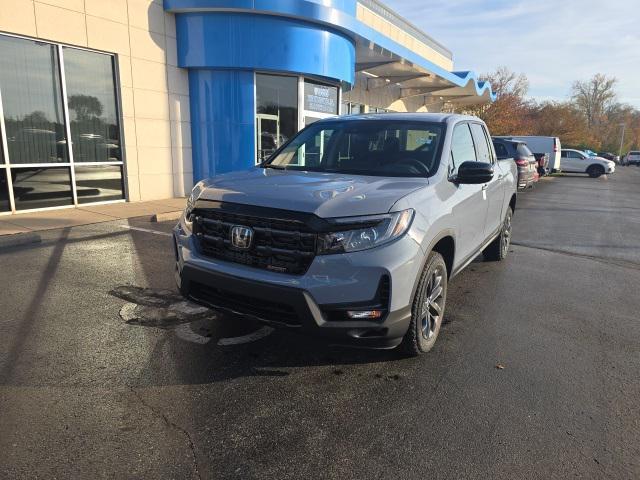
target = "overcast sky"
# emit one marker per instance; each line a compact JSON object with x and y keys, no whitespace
{"x":553,"y":42}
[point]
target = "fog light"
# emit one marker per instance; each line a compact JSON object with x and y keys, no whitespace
{"x":365,"y":314}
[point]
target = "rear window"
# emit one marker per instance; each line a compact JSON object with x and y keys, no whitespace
{"x":501,"y":150}
{"x":523,"y":150}
{"x":634,"y":153}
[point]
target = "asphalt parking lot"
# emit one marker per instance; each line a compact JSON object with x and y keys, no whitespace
{"x":106,"y":373}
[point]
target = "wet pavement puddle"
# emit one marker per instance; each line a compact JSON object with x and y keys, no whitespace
{"x":190,"y":321}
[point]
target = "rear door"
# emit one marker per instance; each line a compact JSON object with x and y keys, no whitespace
{"x":493,"y":191}
{"x":567,"y":161}
{"x":470,"y":203}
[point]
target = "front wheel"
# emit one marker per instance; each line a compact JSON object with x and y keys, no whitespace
{"x":595,"y":171}
{"x":427,"y":309}
{"x":499,"y":248}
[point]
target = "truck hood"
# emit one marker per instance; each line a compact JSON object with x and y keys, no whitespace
{"x":326,"y":195}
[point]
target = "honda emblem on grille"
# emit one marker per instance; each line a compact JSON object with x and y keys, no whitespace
{"x":241,"y":237}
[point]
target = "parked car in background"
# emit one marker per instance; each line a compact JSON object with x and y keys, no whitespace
{"x":610,"y":156}
{"x":549,"y":145}
{"x":543,"y":163}
{"x":577,"y":161}
{"x":632,"y":158}
{"x":520,"y":153}
{"x":355,"y":243}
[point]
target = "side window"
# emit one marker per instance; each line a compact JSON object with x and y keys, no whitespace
{"x":462,"y":148}
{"x":482,"y":147}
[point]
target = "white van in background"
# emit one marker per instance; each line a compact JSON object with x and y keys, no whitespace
{"x":549,"y":145}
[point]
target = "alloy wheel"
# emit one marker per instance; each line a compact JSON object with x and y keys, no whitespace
{"x":433,"y":305}
{"x":506,"y":235}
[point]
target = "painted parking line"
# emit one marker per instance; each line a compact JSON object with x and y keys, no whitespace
{"x":147,"y":230}
{"x":252,"y":337}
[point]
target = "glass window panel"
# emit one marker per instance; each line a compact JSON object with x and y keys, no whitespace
{"x":483,"y":150}
{"x":462,"y":148}
{"x":99,"y":183}
{"x":38,"y":187}
{"x":4,"y":191}
{"x":276,"y":111}
{"x":32,"y":101}
{"x":93,"y":112}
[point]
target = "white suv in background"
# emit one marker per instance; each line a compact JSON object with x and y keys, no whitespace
{"x":575,"y":161}
{"x":632,"y":158}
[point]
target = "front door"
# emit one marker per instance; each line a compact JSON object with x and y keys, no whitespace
{"x":573,"y":161}
{"x":468,"y":202}
{"x":493,"y":191}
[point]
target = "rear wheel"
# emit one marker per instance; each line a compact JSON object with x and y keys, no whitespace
{"x":427,"y":309}
{"x":499,"y":248}
{"x":595,"y":171}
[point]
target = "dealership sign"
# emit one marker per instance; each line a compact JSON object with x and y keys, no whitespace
{"x":320,"y":98}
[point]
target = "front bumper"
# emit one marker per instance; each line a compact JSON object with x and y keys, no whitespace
{"x":307,"y":303}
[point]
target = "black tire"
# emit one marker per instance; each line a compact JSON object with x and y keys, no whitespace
{"x":499,"y":248}
{"x":427,"y":309}
{"x":595,"y":171}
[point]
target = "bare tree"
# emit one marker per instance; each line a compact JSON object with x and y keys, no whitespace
{"x":594,"y":97}
{"x":505,"y":82}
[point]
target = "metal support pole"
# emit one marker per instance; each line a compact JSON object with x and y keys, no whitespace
{"x":621,"y":141}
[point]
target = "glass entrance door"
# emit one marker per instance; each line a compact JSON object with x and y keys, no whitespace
{"x":276,"y":112}
{"x":269,"y":139}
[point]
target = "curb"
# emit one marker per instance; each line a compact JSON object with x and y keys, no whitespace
{"x":165,"y":217}
{"x":18,"y":239}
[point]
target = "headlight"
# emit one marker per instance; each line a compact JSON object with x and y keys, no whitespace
{"x":375,"y":231}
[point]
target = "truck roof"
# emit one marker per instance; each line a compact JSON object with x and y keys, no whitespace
{"x":424,"y":117}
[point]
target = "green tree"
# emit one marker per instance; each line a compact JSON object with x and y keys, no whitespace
{"x":85,"y":106}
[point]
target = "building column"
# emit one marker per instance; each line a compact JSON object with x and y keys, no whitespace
{"x":222,"y":121}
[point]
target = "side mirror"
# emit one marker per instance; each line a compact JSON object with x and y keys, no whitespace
{"x":473,"y":173}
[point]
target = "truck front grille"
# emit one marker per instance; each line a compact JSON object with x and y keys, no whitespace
{"x":282,"y":245}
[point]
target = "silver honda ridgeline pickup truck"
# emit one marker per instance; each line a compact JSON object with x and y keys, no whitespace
{"x":352,"y":229}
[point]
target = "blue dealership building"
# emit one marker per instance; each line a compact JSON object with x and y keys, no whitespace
{"x":260,"y":70}
{"x":130,"y":100}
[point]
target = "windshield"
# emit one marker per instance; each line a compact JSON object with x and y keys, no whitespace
{"x":379,"y":147}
